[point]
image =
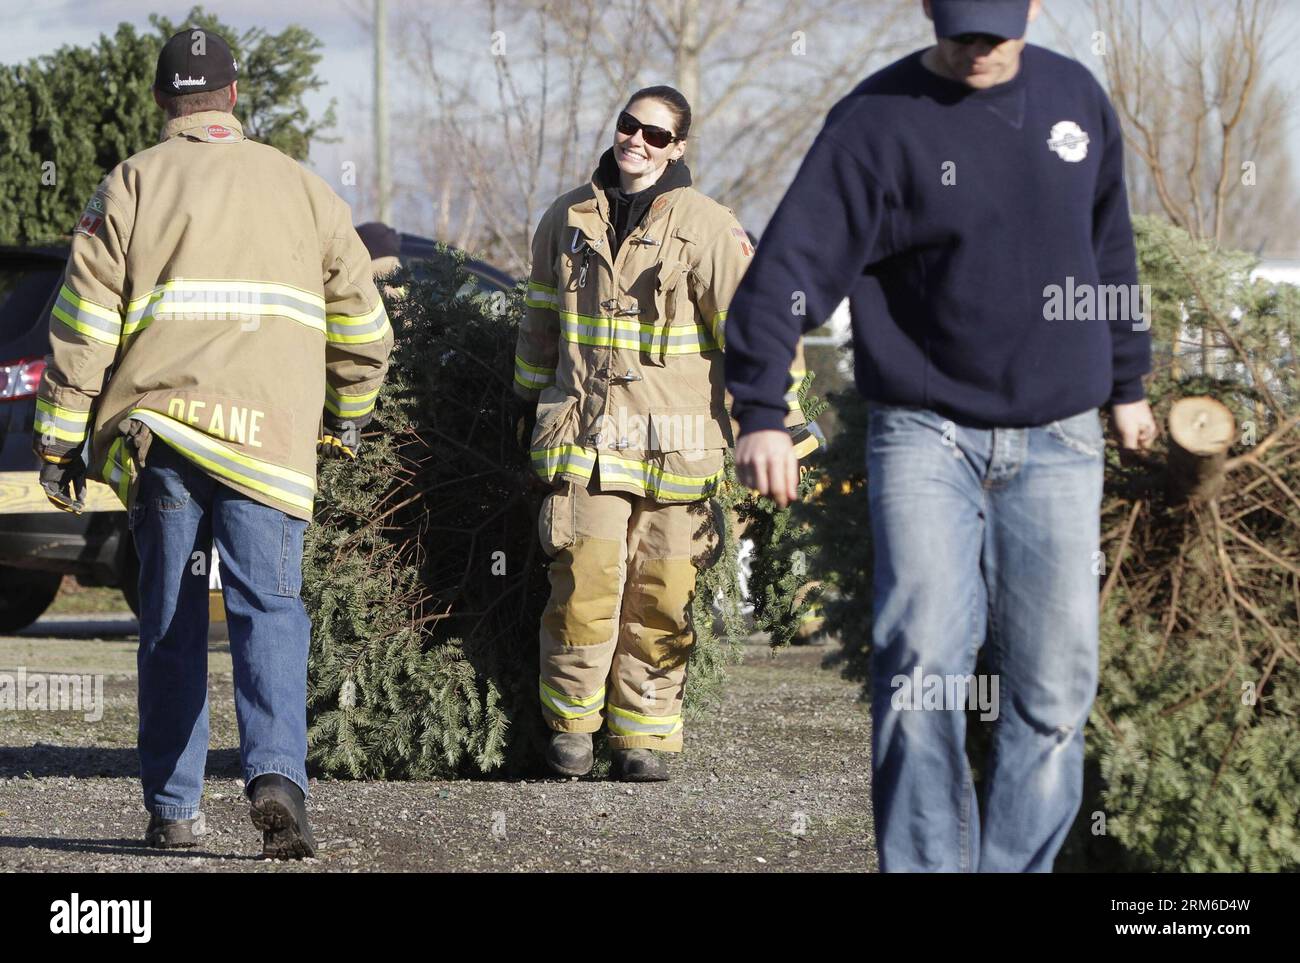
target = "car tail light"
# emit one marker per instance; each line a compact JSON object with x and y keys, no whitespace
{"x":20,"y":379}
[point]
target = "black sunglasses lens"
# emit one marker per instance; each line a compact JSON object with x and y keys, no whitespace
{"x":654,"y":136}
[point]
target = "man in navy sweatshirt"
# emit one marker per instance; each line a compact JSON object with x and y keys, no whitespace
{"x":969,"y":200}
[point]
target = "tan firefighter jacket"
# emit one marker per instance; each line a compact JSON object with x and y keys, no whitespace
{"x":216,"y":293}
{"x":624,"y":355}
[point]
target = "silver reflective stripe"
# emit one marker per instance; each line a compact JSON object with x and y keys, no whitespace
{"x":624,"y":724}
{"x":531,"y":375}
{"x":211,"y":302}
{"x":220,"y":460}
{"x":571,"y":707}
{"x":652,"y":479}
{"x":541,"y":296}
{"x":568,"y":458}
{"x":358,"y":329}
{"x":645,"y":336}
{"x":51,"y":418}
{"x":342,"y":405}
{"x":87,"y":317}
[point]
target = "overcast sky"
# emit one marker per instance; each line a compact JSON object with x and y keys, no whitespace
{"x":34,"y":28}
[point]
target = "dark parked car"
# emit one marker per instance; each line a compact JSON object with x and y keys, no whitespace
{"x":38,"y":543}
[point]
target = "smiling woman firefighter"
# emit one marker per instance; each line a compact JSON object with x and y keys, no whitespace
{"x":621,"y":350}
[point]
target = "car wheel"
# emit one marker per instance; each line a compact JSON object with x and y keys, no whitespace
{"x":24,"y":596}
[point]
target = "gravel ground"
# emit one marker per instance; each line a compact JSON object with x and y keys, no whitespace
{"x":776,"y":780}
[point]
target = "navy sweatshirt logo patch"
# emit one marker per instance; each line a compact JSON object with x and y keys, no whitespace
{"x":1069,"y":141}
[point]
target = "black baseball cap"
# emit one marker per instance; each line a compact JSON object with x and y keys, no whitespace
{"x":194,"y":60}
{"x":1002,"y":18}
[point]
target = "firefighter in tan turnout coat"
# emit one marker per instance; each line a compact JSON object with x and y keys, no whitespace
{"x":216,"y":327}
{"x":621,"y":349}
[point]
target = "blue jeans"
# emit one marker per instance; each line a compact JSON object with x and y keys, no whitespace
{"x":979,"y":530}
{"x":178,"y":514}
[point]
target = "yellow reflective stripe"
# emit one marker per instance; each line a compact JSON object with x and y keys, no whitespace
{"x":344,"y":405}
{"x":635,"y":335}
{"x":117,"y":472}
{"x":62,"y":424}
{"x":531,"y":375}
{"x":230,"y":285}
{"x":792,"y":396}
{"x":531,"y":382}
{"x":284,"y":484}
{"x":717,"y":324}
{"x":355,"y":319}
{"x":223,"y":298}
{"x":663,"y":485}
{"x":541,"y":296}
{"x":571,"y":707}
{"x":626,"y":325}
{"x":534,"y":368}
{"x":220,"y":309}
{"x":357,"y":328}
{"x":87,"y":306}
{"x":624,"y":722}
{"x":93,"y":320}
{"x":564,"y":459}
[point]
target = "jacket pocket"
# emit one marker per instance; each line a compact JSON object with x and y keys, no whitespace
{"x":556,"y":422}
{"x":555,"y":521}
{"x":672,"y":309}
{"x":686,"y":429}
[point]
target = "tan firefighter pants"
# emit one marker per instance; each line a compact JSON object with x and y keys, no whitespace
{"x":616,"y":631}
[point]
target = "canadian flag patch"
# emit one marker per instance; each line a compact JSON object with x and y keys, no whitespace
{"x":89,"y":224}
{"x":743,"y":239}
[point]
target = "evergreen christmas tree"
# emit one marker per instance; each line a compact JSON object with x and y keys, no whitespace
{"x":423,"y":570}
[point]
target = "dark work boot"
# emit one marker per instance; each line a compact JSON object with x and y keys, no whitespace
{"x":640,"y":765}
{"x":280,"y":812}
{"x":173,"y":833}
{"x":569,"y":753}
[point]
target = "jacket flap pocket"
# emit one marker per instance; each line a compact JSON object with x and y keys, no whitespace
{"x":685,"y":429}
{"x":671,"y":275}
{"x":556,"y":420}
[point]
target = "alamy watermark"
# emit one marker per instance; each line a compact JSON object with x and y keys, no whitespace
{"x":24,"y":691}
{"x":922,"y":690}
{"x":1098,"y":302}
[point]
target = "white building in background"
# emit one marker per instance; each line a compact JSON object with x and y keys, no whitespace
{"x":1286,"y":270}
{"x":835,"y":332}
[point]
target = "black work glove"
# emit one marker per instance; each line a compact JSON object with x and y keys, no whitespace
{"x":339,"y":439}
{"x":523,"y":418}
{"x":64,"y":482}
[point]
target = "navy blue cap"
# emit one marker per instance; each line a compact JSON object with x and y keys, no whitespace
{"x":1002,"y":18}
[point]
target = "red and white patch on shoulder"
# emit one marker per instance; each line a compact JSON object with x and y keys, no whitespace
{"x":742,"y":238}
{"x":89,"y":224}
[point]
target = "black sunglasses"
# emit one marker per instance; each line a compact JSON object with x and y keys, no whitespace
{"x":966,"y":39}
{"x":654,"y":136}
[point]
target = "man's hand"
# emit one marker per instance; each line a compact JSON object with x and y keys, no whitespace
{"x":339,"y":440}
{"x":766,"y":462}
{"x":1134,"y":425}
{"x":64,"y":482}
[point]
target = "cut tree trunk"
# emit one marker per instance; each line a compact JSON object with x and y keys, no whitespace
{"x":1200,"y":433}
